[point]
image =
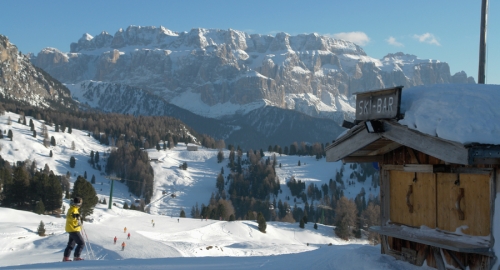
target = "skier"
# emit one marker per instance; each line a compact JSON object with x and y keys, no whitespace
{"x":123,"y":245}
{"x":125,"y":229}
{"x":115,"y":239}
{"x":128,"y":237}
{"x":73,"y":222}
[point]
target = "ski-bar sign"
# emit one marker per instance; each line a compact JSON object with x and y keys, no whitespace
{"x":378,"y":104}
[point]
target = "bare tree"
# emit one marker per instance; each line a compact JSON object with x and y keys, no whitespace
{"x":345,"y":217}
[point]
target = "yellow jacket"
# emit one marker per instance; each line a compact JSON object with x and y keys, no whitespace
{"x":73,"y":219}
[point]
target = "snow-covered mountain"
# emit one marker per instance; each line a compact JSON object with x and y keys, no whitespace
{"x":25,"y":83}
{"x":250,"y":126}
{"x":215,"y":73}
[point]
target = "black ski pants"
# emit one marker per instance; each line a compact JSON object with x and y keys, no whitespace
{"x":74,"y":238}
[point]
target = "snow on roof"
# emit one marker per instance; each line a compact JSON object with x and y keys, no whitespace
{"x":464,"y":113}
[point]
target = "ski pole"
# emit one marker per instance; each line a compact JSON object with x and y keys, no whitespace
{"x":88,"y":242}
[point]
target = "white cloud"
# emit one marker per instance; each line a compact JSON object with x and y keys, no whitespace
{"x":427,"y":38}
{"x":359,"y":38}
{"x":392,"y":41}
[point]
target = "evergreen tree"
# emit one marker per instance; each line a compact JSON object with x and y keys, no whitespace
{"x":17,"y":192}
{"x":93,"y":179}
{"x":86,"y":191}
{"x":132,"y":206}
{"x":125,"y":205}
{"x":10,"y":135}
{"x":32,"y":126}
{"x":50,"y":154}
{"x":183,"y":214}
{"x":301,"y":225}
{"x":57,"y":128}
{"x":220,"y":156}
{"x":72,"y":162}
{"x":231,"y":217}
{"x":96,"y":157}
{"x":41,"y":229}
{"x":220,"y":183}
{"x":262,"y":222}
{"x":53,"y":193}
{"x":40,"y":208}
{"x":70,"y":130}
{"x":104,"y":202}
{"x":85,"y":175}
{"x":52,"y":141}
{"x":73,"y":145}
{"x":92,"y":157}
{"x":315,"y":226}
{"x":158,"y":147}
{"x":250,"y":215}
{"x":34,"y":133}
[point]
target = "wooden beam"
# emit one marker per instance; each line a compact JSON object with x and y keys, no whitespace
{"x":347,"y":146}
{"x":414,"y":158}
{"x":387,"y":148}
{"x":362,"y":159}
{"x":424,"y":168}
{"x":447,"y":151}
{"x":390,"y":167}
{"x":385,"y":196}
{"x":468,"y":170}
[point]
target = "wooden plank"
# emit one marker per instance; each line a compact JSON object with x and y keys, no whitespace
{"x":418,"y":168}
{"x":346,"y":147}
{"x":440,"y":241}
{"x":391,"y":167}
{"x":414,"y":158}
{"x":423,"y":206}
{"x":439,"y":258}
{"x":362,"y":159}
{"x":448,"y":151}
{"x":399,"y":182}
{"x":469,"y":170}
{"x":385,"y":194}
{"x":476,"y":203}
{"x":424,"y":202}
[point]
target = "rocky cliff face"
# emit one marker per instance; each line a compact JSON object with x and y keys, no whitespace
{"x":309,"y":73}
{"x":21,"y":81}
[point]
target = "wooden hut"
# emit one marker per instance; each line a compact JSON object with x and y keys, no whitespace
{"x":437,"y":195}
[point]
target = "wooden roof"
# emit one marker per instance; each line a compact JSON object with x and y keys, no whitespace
{"x":358,"y":145}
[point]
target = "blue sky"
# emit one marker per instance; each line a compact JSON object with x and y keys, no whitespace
{"x":444,"y":30}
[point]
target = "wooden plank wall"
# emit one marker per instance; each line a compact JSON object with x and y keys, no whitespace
{"x":423,"y":198}
{"x":475,"y":204}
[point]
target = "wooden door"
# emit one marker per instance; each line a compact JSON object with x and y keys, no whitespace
{"x":475,"y":203}
{"x":413,"y":198}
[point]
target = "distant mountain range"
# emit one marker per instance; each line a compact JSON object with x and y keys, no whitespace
{"x":220,"y":79}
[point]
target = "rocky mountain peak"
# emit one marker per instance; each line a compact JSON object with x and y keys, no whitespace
{"x":21,"y":81}
{"x":310,"y":73}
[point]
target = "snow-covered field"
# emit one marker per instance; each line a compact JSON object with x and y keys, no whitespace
{"x":173,"y":243}
{"x":182,"y":244}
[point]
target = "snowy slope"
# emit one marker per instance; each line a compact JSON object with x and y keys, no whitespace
{"x":187,"y":244}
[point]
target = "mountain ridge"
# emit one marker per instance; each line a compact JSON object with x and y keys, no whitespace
{"x":217,"y":66}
